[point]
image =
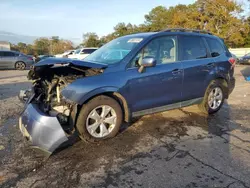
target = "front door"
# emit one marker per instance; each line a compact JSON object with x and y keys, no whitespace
{"x":156,"y":86}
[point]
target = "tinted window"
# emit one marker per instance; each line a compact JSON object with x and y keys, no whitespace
{"x":9,"y":54}
{"x":192,"y":47}
{"x":163,"y":49}
{"x":88,"y":51}
{"x":215,"y":47}
{"x":1,"y":54}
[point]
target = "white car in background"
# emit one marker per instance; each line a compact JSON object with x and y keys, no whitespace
{"x":65,"y":54}
{"x":81,"y":53}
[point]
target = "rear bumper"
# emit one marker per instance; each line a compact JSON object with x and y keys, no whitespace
{"x":45,"y":132}
{"x":231,"y":85}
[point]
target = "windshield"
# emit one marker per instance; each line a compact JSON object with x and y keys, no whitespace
{"x":115,"y":50}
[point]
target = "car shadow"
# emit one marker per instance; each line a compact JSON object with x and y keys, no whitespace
{"x":175,"y":127}
{"x":85,"y":157}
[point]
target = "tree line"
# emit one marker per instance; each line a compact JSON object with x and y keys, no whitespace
{"x":224,"y":18}
{"x":44,"y":46}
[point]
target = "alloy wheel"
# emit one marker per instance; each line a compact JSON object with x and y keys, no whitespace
{"x":20,"y":65}
{"x":101,"y":121}
{"x":215,"y":98}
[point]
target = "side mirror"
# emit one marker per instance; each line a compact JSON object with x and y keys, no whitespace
{"x":147,"y":62}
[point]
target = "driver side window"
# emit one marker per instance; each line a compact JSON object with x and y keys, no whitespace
{"x":162,"y":49}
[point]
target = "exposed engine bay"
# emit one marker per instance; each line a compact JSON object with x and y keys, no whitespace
{"x":48,"y":82}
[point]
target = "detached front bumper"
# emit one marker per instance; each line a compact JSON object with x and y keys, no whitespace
{"x":45,"y":132}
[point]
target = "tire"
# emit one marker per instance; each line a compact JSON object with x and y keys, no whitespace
{"x":20,"y":65}
{"x":205,"y":106}
{"x":87,"y":117}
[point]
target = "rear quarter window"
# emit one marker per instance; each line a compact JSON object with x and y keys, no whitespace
{"x":216,"y":48}
{"x":9,"y":54}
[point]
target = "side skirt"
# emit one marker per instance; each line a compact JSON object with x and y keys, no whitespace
{"x":167,"y":107}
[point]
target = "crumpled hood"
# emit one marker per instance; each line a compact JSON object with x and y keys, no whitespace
{"x":64,"y":61}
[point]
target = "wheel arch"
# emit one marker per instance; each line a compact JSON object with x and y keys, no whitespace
{"x":19,"y":61}
{"x":224,"y":82}
{"x":115,"y":95}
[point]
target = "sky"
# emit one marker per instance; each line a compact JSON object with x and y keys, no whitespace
{"x":72,"y":18}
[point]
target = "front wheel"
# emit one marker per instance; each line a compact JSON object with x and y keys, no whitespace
{"x":99,"y":119}
{"x":214,"y":97}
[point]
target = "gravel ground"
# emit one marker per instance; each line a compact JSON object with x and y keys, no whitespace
{"x":178,"y":148}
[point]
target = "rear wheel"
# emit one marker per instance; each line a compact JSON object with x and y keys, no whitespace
{"x":99,"y":119}
{"x":20,"y":65}
{"x":214,"y":97}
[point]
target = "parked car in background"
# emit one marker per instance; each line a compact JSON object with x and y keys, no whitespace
{"x":65,"y":54}
{"x":13,"y":59}
{"x":245,"y":59}
{"x":41,"y":57}
{"x":153,"y":72}
{"x":82,"y":53}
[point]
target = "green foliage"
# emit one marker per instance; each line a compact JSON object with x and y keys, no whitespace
{"x":42,"y":46}
{"x":91,"y":40}
{"x":247,"y":40}
{"x":221,"y":17}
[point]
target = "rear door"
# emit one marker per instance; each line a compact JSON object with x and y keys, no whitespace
{"x":197,"y":65}
{"x":2,"y":62}
{"x":220,"y":55}
{"x":9,"y":59}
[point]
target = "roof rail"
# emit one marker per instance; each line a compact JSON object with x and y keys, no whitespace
{"x":186,"y":30}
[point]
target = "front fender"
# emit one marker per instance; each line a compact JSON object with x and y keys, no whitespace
{"x":82,"y":89}
{"x":95,"y":92}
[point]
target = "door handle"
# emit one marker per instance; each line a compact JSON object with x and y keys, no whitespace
{"x":176,"y":71}
{"x":210,"y":65}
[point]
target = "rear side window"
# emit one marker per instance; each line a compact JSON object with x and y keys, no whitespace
{"x":215,"y":47}
{"x":192,"y":47}
{"x":9,"y":54}
{"x":1,"y":54}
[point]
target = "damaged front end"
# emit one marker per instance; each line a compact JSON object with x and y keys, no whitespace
{"x":48,"y":119}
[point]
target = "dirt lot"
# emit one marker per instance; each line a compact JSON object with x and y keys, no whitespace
{"x":178,"y":148}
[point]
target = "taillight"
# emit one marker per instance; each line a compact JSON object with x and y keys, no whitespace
{"x":232,"y":61}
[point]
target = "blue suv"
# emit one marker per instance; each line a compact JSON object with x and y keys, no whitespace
{"x":130,"y":76}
